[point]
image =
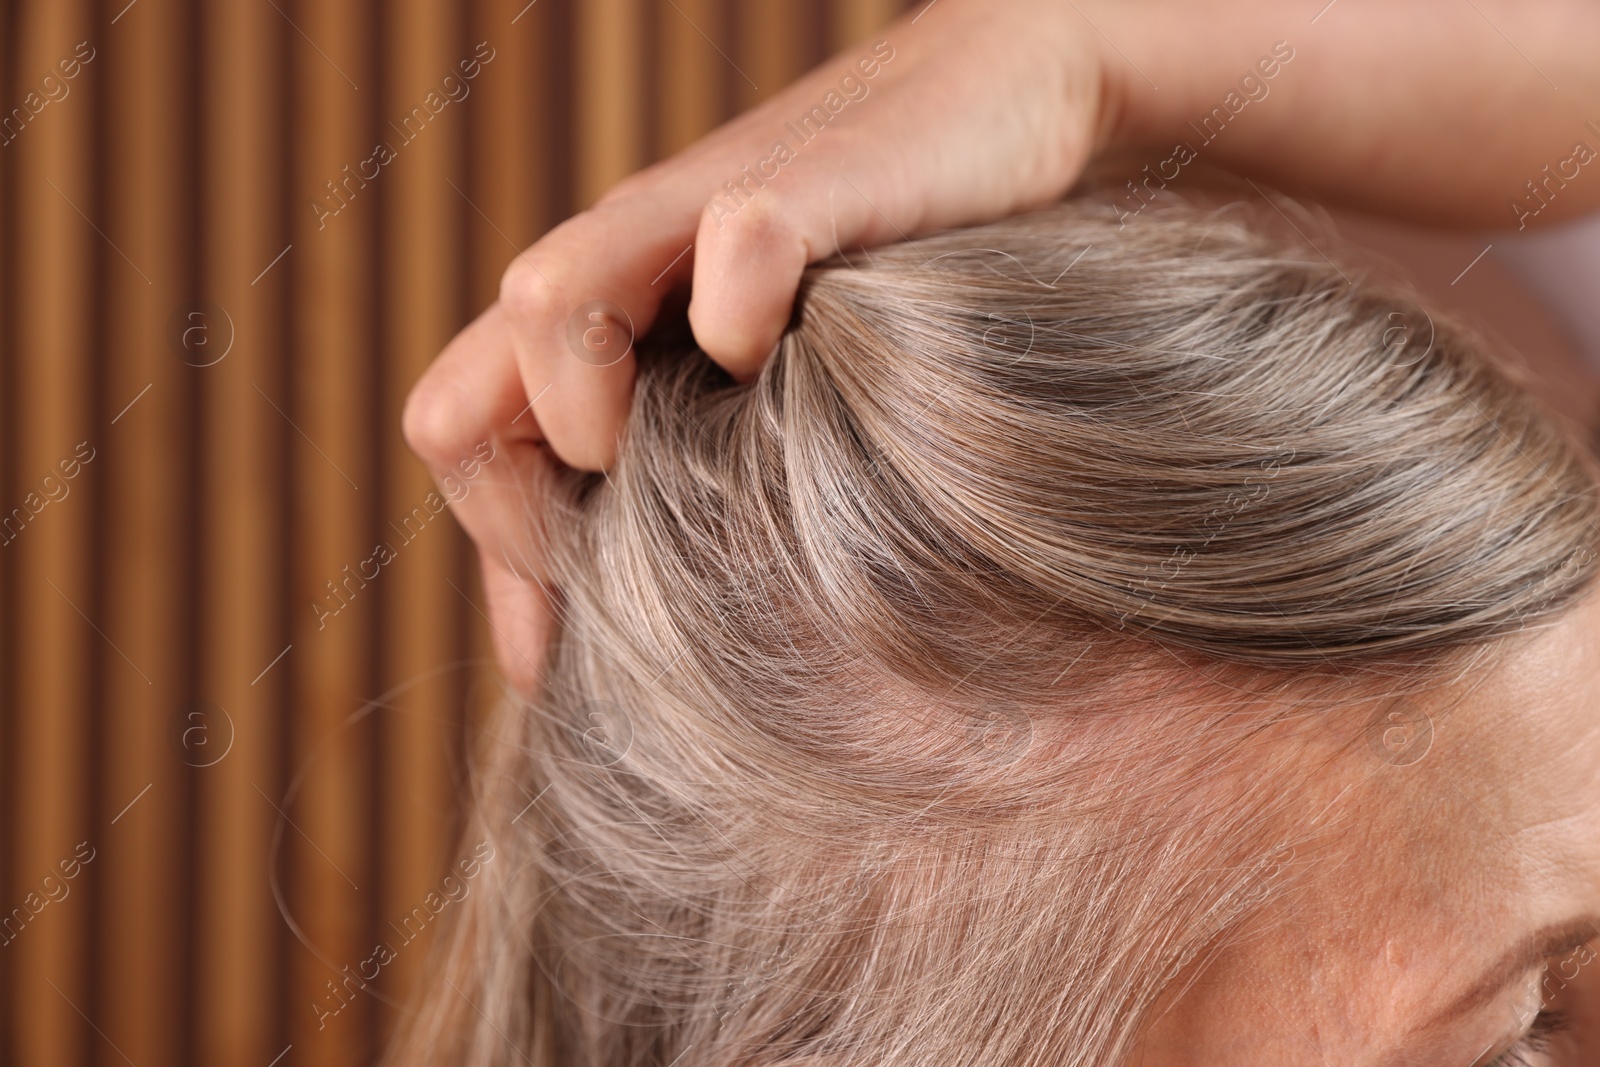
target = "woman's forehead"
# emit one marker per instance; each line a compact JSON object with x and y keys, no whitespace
{"x":1490,"y":786}
{"x":1502,"y":816}
{"x":1532,"y":731}
{"x":1429,"y":870}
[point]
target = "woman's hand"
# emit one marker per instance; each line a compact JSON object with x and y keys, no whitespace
{"x":968,"y":112}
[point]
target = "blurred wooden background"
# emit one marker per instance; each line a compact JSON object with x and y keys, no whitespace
{"x":200,"y":399}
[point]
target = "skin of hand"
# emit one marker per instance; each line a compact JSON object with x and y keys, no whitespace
{"x":977,"y":109}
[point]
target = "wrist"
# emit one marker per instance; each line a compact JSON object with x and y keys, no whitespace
{"x":1118,"y":103}
{"x":1167,"y":63}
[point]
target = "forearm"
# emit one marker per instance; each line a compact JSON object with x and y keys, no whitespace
{"x":1437,"y":113}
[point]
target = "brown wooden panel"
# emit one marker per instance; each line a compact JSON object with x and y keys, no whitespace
{"x":609,"y":132}
{"x":10,"y":883}
{"x":53,"y":591}
{"x":203,"y":283}
{"x":145,"y":159}
{"x":521,"y":135}
{"x":234,"y":739}
{"x":692,"y":72}
{"x":429,"y":61}
{"x":775,"y":45}
{"x":328,"y":822}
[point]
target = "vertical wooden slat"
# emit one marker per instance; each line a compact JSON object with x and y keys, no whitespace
{"x":514,"y":125}
{"x":55,"y":645}
{"x":609,"y":116}
{"x":417,"y":603}
{"x":332,"y":891}
{"x":148,"y":548}
{"x":236,"y":919}
{"x":148,"y":545}
{"x":772,"y":49}
{"x":10,"y":881}
{"x":691,"y":73}
{"x":277,"y":377}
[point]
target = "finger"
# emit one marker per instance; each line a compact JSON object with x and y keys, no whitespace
{"x":469,"y":421}
{"x":503,"y":513}
{"x":754,"y":243}
{"x":470,"y":392}
{"x":519,"y":616}
{"x":473,"y":427}
{"x":576,"y":303}
{"x":938,"y":143}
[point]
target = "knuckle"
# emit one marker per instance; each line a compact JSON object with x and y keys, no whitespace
{"x":526,"y":294}
{"x":430,"y":422}
{"x":758,"y":224}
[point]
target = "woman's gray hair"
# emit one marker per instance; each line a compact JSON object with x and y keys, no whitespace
{"x":904,"y":705}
